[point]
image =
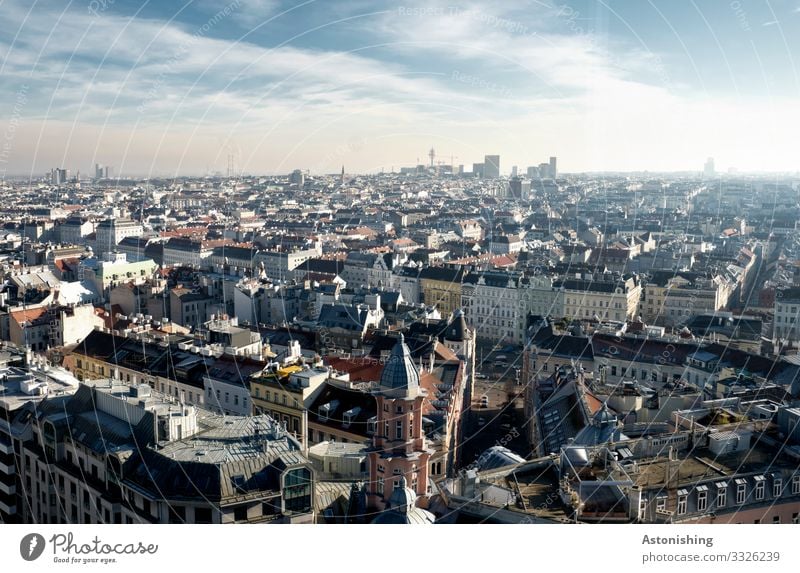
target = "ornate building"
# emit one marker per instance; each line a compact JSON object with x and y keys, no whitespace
{"x":399,"y":453}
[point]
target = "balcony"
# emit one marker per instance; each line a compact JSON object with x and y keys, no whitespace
{"x":6,"y":447}
{"x":9,"y":509}
{"x":7,"y":469}
{"x":8,"y":489}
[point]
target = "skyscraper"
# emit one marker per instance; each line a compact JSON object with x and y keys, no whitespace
{"x":58,"y":176}
{"x":544,"y":170}
{"x":297,"y":178}
{"x":708,"y":169}
{"x":491,"y":166}
{"x":553,"y":168}
{"x":519,"y":188}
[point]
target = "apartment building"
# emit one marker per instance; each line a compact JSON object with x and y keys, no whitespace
{"x":602,"y":296}
{"x":102,"y":456}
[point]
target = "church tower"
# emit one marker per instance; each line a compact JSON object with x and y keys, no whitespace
{"x":399,"y":454}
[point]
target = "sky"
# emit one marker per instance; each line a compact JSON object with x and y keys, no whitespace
{"x":160,"y":88}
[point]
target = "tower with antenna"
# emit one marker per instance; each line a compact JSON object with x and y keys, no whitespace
{"x":432,"y":155}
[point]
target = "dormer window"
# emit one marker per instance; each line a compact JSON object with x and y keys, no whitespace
{"x":349,"y":416}
{"x":326,"y":410}
{"x":372,"y":425}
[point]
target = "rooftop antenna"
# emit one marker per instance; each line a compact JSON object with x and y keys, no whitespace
{"x":432,"y":155}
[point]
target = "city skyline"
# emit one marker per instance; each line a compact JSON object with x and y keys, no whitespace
{"x":160,"y":90}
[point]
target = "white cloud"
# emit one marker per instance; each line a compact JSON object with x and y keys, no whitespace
{"x":521,"y":89}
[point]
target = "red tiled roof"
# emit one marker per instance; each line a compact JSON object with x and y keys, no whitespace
{"x":28,"y":314}
{"x":360,"y":369}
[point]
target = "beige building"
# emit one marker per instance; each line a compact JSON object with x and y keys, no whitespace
{"x":611,"y":297}
{"x":670,"y":298}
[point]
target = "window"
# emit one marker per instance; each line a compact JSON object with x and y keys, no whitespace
{"x":702,"y":500}
{"x":398,"y":430}
{"x":297,"y":490}
{"x":760,"y":488}
{"x":177,"y":513}
{"x":236,"y":399}
{"x":796,"y":518}
{"x":202,"y":515}
{"x":681,"y":504}
{"x":661,"y":504}
{"x":795,"y":485}
{"x":777,"y":487}
{"x":722,"y":496}
{"x":380,"y":486}
{"x":240,"y":513}
{"x":776,"y":519}
{"x":741,"y":492}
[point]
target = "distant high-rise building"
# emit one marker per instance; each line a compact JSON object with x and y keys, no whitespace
{"x":519,"y":188}
{"x":514,"y":171}
{"x":553,"y":169}
{"x":491,"y":166}
{"x":544,"y":170}
{"x":297,"y":178}
{"x":101,"y":171}
{"x":478,"y":169}
{"x":708,"y":169}
{"x":533,"y":172}
{"x":58,"y":176}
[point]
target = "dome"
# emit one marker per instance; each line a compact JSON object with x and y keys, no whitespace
{"x":399,"y":372}
{"x":402,"y":508}
{"x":604,"y":416}
{"x":402,"y":498}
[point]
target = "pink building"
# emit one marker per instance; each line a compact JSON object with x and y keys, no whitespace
{"x":399,"y":453}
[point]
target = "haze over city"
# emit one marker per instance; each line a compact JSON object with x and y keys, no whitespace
{"x":172,"y":88}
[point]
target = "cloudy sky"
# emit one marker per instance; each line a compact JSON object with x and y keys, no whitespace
{"x":162,"y":87}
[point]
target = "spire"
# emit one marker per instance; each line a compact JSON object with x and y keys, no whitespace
{"x":399,"y":372}
{"x":457,"y":330}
